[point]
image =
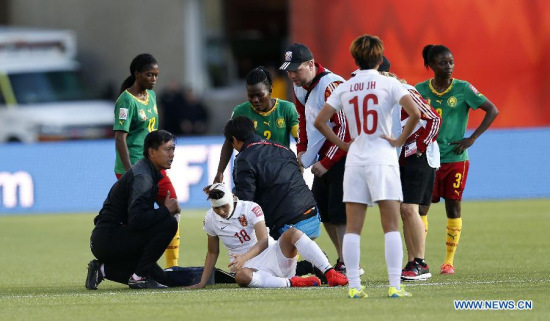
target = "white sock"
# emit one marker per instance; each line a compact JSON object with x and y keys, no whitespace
{"x":351,"y":252}
{"x":136,"y":277}
{"x":394,"y":257}
{"x":262,"y":279}
{"x":102,"y":269}
{"x":311,"y":252}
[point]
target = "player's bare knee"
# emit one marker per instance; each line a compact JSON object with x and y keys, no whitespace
{"x":404,"y":215}
{"x":407,"y":211}
{"x":453,"y":208}
{"x":390,"y":224}
{"x":243,"y":277}
{"x":423,"y":210}
{"x":294,"y":234}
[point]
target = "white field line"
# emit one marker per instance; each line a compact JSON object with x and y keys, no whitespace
{"x":100,"y":293}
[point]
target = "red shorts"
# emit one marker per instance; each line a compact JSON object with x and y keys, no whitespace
{"x":450,"y":180}
{"x":165,"y":185}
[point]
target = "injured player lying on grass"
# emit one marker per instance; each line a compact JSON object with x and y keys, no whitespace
{"x":255,"y":257}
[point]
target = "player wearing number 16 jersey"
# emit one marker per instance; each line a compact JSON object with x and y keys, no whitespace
{"x":372,"y":169}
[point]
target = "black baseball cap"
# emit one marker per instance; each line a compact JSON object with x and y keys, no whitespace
{"x":295,"y":56}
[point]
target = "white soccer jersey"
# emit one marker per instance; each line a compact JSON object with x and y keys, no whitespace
{"x":368,"y":101}
{"x":237,"y":233}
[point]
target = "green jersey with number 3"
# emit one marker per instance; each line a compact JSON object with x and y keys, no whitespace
{"x":453,"y":105}
{"x":138,"y":118}
{"x":276,"y":124}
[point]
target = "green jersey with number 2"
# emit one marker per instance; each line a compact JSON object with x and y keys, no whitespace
{"x":275,"y":124}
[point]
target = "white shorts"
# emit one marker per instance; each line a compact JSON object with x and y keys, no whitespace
{"x":273,"y":261}
{"x":368,"y":184}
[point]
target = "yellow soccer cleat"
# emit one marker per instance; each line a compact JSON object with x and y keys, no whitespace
{"x":356,"y":294}
{"x":394,"y":293}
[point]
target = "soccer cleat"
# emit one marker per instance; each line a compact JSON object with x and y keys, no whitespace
{"x":94,"y":276}
{"x":407,"y":269}
{"x":394,"y":293}
{"x":341,"y":267}
{"x":415,"y":271}
{"x":145,"y":283}
{"x":356,"y":294}
{"x":298,"y":281}
{"x":335,"y":278}
{"x":447,"y":268}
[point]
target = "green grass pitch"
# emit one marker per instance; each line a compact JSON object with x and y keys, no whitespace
{"x":503,"y":255}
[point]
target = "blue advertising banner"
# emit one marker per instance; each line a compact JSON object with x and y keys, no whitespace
{"x":76,"y":176}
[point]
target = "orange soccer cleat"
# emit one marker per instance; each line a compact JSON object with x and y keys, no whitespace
{"x":298,"y":281}
{"x":335,"y":278}
{"x":446,"y":268}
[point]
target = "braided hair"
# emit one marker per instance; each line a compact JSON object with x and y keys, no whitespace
{"x":260,"y":75}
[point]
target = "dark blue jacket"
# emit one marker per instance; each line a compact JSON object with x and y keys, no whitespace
{"x":268,"y":174}
{"x":131,"y":200}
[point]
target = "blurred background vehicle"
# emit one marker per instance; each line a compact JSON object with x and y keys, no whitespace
{"x":42,"y":96}
{"x":210,"y":45}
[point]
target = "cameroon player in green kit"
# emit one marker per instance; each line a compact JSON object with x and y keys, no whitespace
{"x":274,"y":119}
{"x":453,"y":99}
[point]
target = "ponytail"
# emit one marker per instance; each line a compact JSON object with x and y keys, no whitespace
{"x":128,"y":82}
{"x":425,"y":55}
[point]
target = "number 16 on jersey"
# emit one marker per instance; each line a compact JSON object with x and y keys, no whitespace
{"x":370,"y":116}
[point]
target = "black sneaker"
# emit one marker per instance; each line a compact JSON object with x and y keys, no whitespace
{"x":94,"y":276}
{"x":407,"y":269}
{"x":145,"y":283}
{"x":415,"y":271}
{"x":423,"y":271}
{"x":341,"y":267}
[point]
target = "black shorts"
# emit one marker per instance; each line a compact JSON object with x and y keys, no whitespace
{"x":417,"y":180}
{"x":328,"y":191}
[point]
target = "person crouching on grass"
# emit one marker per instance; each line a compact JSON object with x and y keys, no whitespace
{"x":130,"y":235}
{"x":255,"y":257}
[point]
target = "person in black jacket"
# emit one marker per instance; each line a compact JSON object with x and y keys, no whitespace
{"x":268,"y":173}
{"x":130,"y":235}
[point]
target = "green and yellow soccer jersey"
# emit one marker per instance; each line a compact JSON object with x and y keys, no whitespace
{"x":277,"y":124}
{"x":453,"y":105}
{"x":138,"y":118}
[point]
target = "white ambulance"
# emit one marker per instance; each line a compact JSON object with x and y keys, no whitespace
{"x":42,"y":97}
